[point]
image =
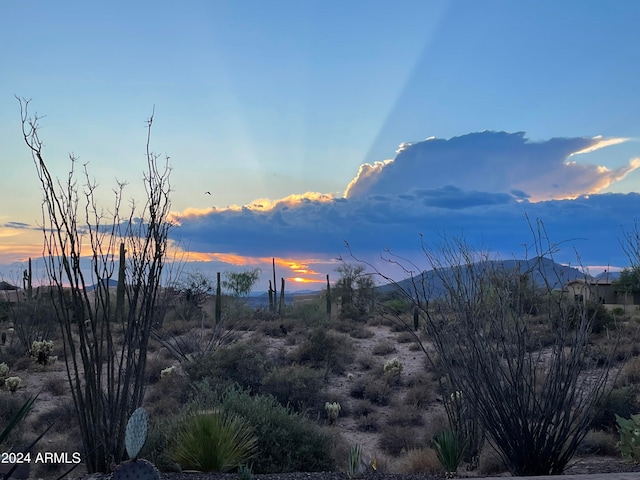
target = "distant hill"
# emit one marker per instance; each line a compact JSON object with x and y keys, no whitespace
{"x":543,"y":270}
{"x":112,"y":283}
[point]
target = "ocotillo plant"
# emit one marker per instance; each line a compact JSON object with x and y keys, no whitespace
{"x":218,"y":300}
{"x":328,"y":297}
{"x":121,"y":282}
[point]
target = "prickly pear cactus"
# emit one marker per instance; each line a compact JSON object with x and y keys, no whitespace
{"x":134,"y":437}
{"x":136,"y":470}
{"x":136,"y":433}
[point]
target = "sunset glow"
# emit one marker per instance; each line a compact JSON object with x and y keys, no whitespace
{"x":285,"y":141}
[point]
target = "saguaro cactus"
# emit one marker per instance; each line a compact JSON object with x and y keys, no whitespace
{"x":26,"y":281}
{"x":218,"y":300}
{"x":281,"y":306}
{"x":275,"y":292}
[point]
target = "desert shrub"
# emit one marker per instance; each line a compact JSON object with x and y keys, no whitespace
{"x":367,"y":362}
{"x":310,"y":314}
{"x":598,"y":442}
{"x":10,"y":404}
{"x":383,"y":347}
{"x":155,"y":365}
{"x":620,"y":401}
{"x":168,"y":396}
{"x":362,"y":408}
{"x":396,"y":306}
{"x":323,"y":349}
{"x":213,"y":442}
{"x":295,"y":385}
{"x":405,"y":417}
{"x":490,"y":463}
{"x":406,"y":337}
{"x":56,"y":386}
{"x":395,"y":440}
{"x":357,"y":389}
{"x":62,"y":417}
{"x":360,"y":332}
{"x":617,"y":311}
{"x":630,"y":373}
{"x":421,"y":392}
{"x":421,"y":461}
{"x":287,"y":441}
{"x":378,"y":392}
{"x":599,"y":315}
{"x":241,"y":363}
{"x":368,"y":423}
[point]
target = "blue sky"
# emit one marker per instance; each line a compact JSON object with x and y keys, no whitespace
{"x":263,"y":102}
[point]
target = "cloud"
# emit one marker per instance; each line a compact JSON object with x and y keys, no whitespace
{"x":481,"y":185}
{"x":492,"y":162}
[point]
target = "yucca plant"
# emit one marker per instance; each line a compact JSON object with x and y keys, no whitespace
{"x":17,"y":418}
{"x":449,"y":451}
{"x":355,"y":467}
{"x":213,"y":442}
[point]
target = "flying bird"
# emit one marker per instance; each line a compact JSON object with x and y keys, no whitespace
{"x":207,"y":193}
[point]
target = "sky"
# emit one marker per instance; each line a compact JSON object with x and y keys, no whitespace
{"x":316,"y":124}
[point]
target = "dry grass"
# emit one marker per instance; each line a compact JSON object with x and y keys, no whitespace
{"x":490,"y":463}
{"x":599,"y":443}
{"x":421,"y":461}
{"x":384,"y":347}
{"x":630,"y":373}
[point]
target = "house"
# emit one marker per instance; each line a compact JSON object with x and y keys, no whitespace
{"x":603,"y":291}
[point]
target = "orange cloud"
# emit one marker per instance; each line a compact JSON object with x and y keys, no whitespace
{"x":260,"y":204}
{"x":305,"y":280}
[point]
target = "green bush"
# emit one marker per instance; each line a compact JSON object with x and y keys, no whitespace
{"x":620,"y":401}
{"x":243,"y":364}
{"x":326,"y":350}
{"x":600,"y":317}
{"x":287,"y":442}
{"x":213,"y":442}
{"x":295,"y":385}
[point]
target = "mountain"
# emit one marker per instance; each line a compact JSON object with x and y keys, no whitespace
{"x":544,"y":271}
{"x":112,"y":283}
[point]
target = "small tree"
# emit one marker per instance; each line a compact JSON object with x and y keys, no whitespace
{"x":355,"y":288}
{"x":239,"y":284}
{"x":628,"y":282}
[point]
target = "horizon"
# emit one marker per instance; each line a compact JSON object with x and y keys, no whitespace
{"x":294,"y":128}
